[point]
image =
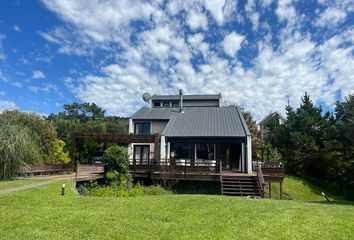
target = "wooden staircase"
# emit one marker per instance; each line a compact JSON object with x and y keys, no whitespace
{"x":240,"y":185}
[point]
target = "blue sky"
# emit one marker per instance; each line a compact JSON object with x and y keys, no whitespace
{"x":256,"y":53}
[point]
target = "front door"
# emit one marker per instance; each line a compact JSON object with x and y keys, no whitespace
{"x":141,"y":154}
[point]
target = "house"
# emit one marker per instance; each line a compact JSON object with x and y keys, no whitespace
{"x":194,"y":131}
{"x":266,"y":121}
{"x":190,"y":138}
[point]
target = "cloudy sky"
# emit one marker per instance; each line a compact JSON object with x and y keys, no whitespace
{"x":257,"y":54}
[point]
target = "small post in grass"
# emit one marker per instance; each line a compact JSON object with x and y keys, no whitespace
{"x":63,"y":189}
{"x":324,"y":195}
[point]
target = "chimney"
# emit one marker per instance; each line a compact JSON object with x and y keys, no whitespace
{"x":220,"y":99}
{"x":180,"y":100}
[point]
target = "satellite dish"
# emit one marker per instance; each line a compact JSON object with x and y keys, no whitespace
{"x":146,"y":97}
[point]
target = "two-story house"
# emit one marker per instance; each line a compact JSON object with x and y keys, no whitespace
{"x":194,"y":131}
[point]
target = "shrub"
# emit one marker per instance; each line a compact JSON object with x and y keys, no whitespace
{"x":18,"y":148}
{"x":120,"y":190}
{"x":156,"y":190}
{"x":59,"y":154}
{"x":116,"y":158}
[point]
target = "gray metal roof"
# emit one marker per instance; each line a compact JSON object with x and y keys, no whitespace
{"x":154,"y":113}
{"x":186,"y":97}
{"x":207,"y":122}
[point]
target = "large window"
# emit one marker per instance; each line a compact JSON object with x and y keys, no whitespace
{"x":142,"y":128}
{"x":182,"y":150}
{"x":205,"y":151}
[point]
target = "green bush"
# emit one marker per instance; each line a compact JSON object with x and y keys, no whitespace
{"x":116,"y":158}
{"x":18,"y":148}
{"x":156,"y":190}
{"x":120,"y":190}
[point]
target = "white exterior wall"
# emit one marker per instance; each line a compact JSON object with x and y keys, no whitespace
{"x":131,"y":126}
{"x":158,"y":126}
{"x":249,"y":155}
{"x":163,"y":148}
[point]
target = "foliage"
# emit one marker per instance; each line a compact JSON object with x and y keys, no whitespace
{"x":18,"y":148}
{"x":43,"y":131}
{"x":120,"y":190}
{"x":59,"y":153}
{"x":318,"y":145}
{"x":85,"y":118}
{"x":43,"y":213}
{"x":116,"y":158}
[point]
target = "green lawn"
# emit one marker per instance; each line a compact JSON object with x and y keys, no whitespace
{"x":17,"y":183}
{"x":41,"y":213}
{"x":295,"y":188}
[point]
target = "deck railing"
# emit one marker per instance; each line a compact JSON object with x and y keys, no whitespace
{"x":176,"y":166}
{"x":260,"y":178}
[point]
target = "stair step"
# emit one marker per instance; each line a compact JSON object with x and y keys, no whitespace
{"x":238,"y":178}
{"x":241,"y":194}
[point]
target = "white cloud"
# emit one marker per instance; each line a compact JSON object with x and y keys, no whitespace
{"x":162,"y":57}
{"x":48,"y":87}
{"x":331,"y":17}
{"x":17,"y":28}
{"x":232,"y":43}
{"x":216,"y":9}
{"x":7,"y":105}
{"x":286,"y":12}
{"x":197,"y":20}
{"x":36,"y":74}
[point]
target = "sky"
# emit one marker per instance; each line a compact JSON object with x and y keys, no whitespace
{"x":258,"y":54}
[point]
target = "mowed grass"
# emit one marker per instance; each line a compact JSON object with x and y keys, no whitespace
{"x":41,"y":213}
{"x":17,"y":183}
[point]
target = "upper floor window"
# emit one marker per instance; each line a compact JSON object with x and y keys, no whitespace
{"x":166,"y":104}
{"x":157,"y":104}
{"x":142,"y":128}
{"x":175,"y":104}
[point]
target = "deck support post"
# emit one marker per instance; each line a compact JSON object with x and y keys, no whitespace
{"x":281,"y":189}
{"x":270,"y":190}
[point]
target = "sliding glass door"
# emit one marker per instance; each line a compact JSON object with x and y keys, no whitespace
{"x":141,"y":154}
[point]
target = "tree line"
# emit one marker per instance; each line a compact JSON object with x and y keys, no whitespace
{"x":28,"y":138}
{"x":313,"y":143}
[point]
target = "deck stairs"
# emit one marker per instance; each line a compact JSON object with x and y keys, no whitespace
{"x":240,"y":185}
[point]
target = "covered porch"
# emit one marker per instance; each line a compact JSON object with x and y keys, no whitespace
{"x":231,"y":153}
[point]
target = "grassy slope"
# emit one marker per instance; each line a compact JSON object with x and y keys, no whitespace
{"x":298,"y":189}
{"x":17,"y":183}
{"x":42,"y":213}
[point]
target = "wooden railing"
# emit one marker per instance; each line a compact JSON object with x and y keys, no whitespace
{"x":48,"y":168}
{"x":260,"y":178}
{"x":89,"y":171}
{"x":177,"y":166}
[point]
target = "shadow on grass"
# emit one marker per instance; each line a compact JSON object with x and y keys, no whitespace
{"x":334,"y":202}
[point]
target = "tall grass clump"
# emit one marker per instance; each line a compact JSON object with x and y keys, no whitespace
{"x":18,"y":148}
